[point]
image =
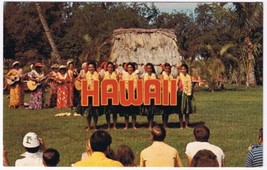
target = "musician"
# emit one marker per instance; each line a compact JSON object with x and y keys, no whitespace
{"x":131,"y":110}
{"x":15,"y":81}
{"x":72,"y":73}
{"x":91,"y":111}
{"x":82,"y":75}
{"x":37,"y":96}
{"x":149,"y":110}
{"x":52,"y":102}
{"x":167,"y":110}
{"x":63,"y":80}
{"x":110,"y":73}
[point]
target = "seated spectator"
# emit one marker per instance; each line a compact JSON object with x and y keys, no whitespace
{"x":100,"y":142}
{"x":5,"y":159}
{"x":204,"y":158}
{"x":51,"y":157}
{"x":255,"y":154}
{"x":34,"y":147}
{"x":88,"y":151}
{"x":159,"y":154}
{"x":202,"y":134}
{"x":125,"y":156}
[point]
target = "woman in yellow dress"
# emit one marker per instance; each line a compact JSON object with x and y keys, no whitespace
{"x":14,"y":79}
{"x":110,"y":73}
{"x":130,"y":110}
{"x":167,"y":110}
{"x":149,"y":110}
{"x":91,"y":111}
{"x":185,"y":96}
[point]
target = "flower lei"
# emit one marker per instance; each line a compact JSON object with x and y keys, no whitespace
{"x":90,"y":78}
{"x":187,"y":84}
{"x":126,"y":76}
{"x":165,"y":76}
{"x":107,"y":75}
{"x":148,"y":77}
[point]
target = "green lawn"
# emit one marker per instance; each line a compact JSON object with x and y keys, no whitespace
{"x":233,"y":116}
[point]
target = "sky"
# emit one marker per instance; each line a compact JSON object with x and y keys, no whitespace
{"x":178,"y":6}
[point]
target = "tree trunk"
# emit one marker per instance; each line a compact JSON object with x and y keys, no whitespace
{"x":54,"y":54}
{"x":251,"y":78}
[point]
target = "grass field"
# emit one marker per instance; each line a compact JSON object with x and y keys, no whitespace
{"x":233,"y":115}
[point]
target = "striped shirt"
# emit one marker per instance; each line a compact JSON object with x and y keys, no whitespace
{"x":255,"y":157}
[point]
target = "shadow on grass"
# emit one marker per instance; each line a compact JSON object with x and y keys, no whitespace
{"x":171,"y":125}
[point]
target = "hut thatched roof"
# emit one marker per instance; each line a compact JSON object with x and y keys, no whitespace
{"x":156,"y":46}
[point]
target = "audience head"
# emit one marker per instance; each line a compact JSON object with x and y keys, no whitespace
{"x":201,"y":133}
{"x":31,"y":142}
{"x":260,"y":138}
{"x":100,"y":141}
{"x":125,"y":155}
{"x":204,"y":158}
{"x":111,"y":154}
{"x":51,"y":157}
{"x":158,"y":133}
{"x":88,"y":147}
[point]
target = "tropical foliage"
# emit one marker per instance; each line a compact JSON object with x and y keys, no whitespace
{"x":228,"y":33}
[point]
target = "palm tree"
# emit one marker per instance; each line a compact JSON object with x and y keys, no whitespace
{"x":247,"y":17}
{"x":212,"y":68}
{"x":55,"y":54}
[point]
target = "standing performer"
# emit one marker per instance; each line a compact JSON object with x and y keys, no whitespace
{"x":91,"y":111}
{"x":72,"y":73}
{"x":52,"y":102}
{"x":149,"y":110}
{"x":185,"y":95}
{"x":82,"y":75}
{"x":15,"y":81}
{"x":131,"y":110}
{"x":37,"y":96}
{"x":167,"y":110}
{"x":63,"y":92}
{"x":110,"y":73}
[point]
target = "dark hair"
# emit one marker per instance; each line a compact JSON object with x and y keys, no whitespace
{"x":113,"y":65}
{"x":152,"y":66}
{"x":167,"y":65}
{"x":125,"y":156}
{"x":111,"y":154}
{"x":51,"y":157}
{"x":158,"y":133}
{"x":93,"y":63}
{"x":100,"y":140}
{"x":204,"y":158}
{"x":132,"y":64}
{"x":261,"y":133}
{"x":186,"y":67}
{"x":32,"y":150}
{"x":201,"y":133}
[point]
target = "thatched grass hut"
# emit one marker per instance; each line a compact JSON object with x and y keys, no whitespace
{"x":156,"y":46}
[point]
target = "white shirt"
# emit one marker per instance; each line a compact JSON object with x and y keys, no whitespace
{"x":30,"y":159}
{"x":193,"y":147}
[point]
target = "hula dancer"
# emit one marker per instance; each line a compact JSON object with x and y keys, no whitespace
{"x":91,"y":111}
{"x":167,"y":110}
{"x":131,"y":110}
{"x":149,"y":110}
{"x":110,"y":73}
{"x":184,"y":95}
